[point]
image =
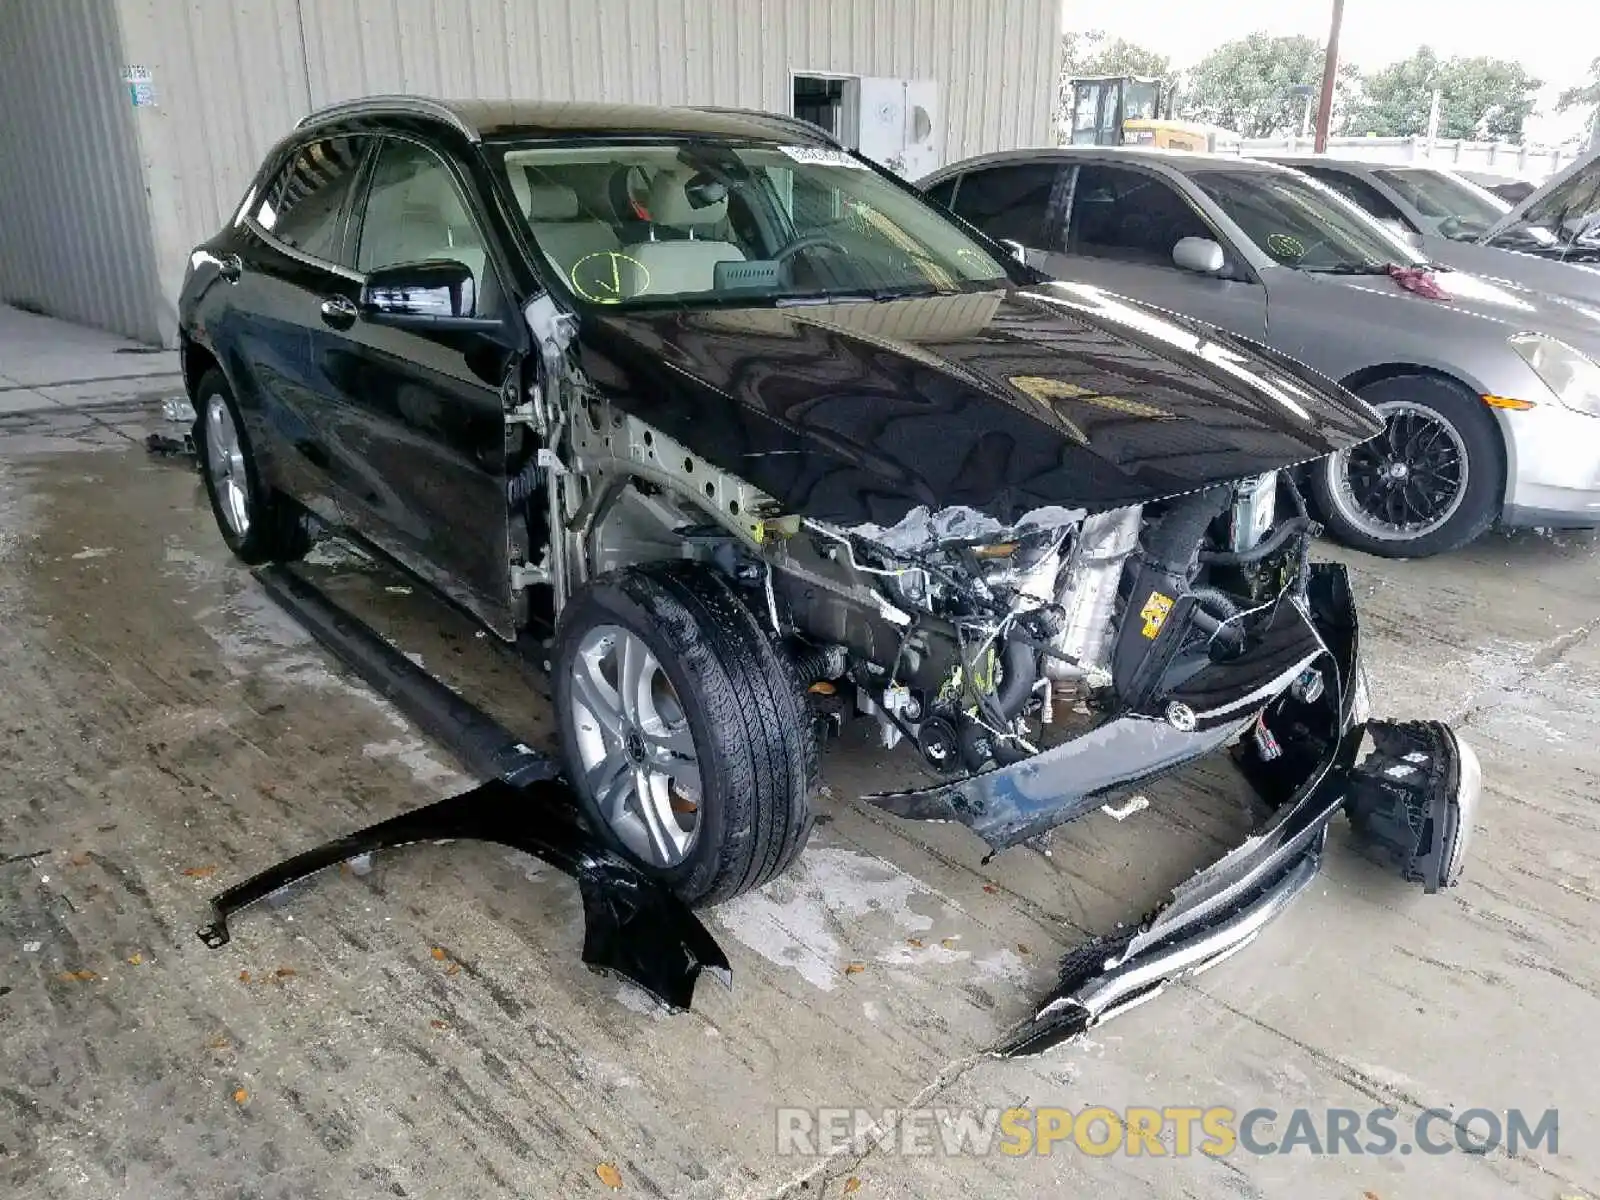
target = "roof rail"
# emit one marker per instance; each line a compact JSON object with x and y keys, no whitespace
{"x":783,"y":120}
{"x":417,"y":106}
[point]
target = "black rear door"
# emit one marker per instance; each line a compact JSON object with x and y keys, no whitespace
{"x":280,"y":353}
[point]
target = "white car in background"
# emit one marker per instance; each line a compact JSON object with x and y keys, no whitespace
{"x":1458,"y":224}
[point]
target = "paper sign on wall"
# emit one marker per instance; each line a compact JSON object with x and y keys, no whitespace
{"x":141,"y":86}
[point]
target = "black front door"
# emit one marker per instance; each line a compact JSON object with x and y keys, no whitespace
{"x":420,"y":432}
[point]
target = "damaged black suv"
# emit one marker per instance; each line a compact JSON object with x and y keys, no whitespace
{"x":751,"y":439}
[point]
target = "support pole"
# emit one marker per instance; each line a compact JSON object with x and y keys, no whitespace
{"x":1330,"y":72}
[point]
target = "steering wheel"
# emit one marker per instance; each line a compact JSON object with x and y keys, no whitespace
{"x":807,"y":241}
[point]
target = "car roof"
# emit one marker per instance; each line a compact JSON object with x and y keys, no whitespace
{"x":1361,"y":164}
{"x":482,"y":119}
{"x":1178,"y":159}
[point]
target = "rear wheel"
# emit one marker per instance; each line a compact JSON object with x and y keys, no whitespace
{"x":258,"y":524}
{"x":1432,"y":481}
{"x":685,"y":730}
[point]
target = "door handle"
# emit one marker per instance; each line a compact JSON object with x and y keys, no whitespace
{"x":338,"y":312}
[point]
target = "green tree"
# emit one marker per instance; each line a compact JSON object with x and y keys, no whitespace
{"x":1584,"y":97}
{"x":1249,"y":85}
{"x":1479,"y":97}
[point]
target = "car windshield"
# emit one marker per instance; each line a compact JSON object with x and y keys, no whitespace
{"x":1456,"y":208}
{"x":1301,"y":223}
{"x":1568,"y":216}
{"x":709,"y":222}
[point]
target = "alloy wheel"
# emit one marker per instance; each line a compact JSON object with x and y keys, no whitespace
{"x":635,"y":748}
{"x":1406,"y":482}
{"x":225,"y":464}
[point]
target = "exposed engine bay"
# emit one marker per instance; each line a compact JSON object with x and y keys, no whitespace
{"x":978,"y":644}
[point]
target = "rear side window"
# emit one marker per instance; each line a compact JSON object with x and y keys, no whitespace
{"x":1011,"y":203}
{"x":304,"y":207}
{"x":1128,"y":216}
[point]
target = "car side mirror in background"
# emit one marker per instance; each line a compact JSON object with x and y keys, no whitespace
{"x":434,"y":290}
{"x":1198,"y":254}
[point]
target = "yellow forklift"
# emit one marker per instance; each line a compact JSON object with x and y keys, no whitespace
{"x":1135,"y":110}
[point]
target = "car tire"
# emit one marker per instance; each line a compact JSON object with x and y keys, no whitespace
{"x":714,"y":685}
{"x":1429,"y":422}
{"x":258,"y":524}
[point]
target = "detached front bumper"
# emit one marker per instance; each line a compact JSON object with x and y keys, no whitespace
{"x":1411,"y":791}
{"x":1414,"y":797}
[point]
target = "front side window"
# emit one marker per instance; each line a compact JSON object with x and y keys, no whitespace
{"x":1301,"y":224}
{"x":304,"y":205}
{"x":415,"y":212}
{"x":1566,"y":221}
{"x":648,"y":223}
{"x":1456,"y":208}
{"x":1011,"y":203}
{"x":1128,"y":216}
{"x":1360,"y":193}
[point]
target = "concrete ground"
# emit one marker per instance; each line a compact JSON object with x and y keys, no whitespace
{"x":427,"y":1029}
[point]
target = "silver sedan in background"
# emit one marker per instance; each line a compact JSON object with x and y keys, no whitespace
{"x":1490,"y":392}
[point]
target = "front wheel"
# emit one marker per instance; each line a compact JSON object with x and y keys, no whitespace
{"x":684,"y":729}
{"x":1431,"y":482}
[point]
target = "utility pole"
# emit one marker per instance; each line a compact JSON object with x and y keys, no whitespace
{"x":1330,"y":72}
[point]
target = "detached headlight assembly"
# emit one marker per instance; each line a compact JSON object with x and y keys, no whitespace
{"x":1568,"y":372}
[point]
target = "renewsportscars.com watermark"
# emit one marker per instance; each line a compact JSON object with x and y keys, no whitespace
{"x":1176,"y":1131}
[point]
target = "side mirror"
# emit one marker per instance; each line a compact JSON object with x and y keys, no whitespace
{"x":1201,"y":255}
{"x":436,"y":289}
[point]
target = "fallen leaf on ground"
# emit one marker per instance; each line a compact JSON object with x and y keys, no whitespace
{"x":854,"y":968}
{"x":851,"y":1185}
{"x":1022,"y":948}
{"x":990,"y":888}
{"x":284,"y":972}
{"x":199,"y":872}
{"x":240,"y":1096}
{"x":438,"y":953}
{"x":949,"y":943}
{"x":917,"y":942}
{"x":78,"y":976}
{"x":135,"y":959}
{"x":452,"y":969}
{"x":244,"y":976}
{"x":438,"y":1024}
{"x":217,"y":1043}
{"x":608,"y":1174}
{"x":79,"y":860}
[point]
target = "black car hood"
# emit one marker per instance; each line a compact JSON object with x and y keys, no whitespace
{"x":1005,"y":401}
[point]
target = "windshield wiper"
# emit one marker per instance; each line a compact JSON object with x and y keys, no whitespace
{"x":860,"y":296}
{"x":1347,"y":268}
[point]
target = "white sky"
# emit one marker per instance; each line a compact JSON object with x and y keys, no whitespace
{"x":1375,"y":32}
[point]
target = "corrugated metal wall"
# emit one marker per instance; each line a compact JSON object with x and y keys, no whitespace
{"x":74,"y":227}
{"x":994,"y":60}
{"x":231,"y":76}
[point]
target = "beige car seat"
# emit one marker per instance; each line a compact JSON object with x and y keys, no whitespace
{"x":673,"y":267}
{"x":556,"y":221}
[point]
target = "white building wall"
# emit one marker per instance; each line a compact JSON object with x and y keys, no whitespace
{"x":74,"y":226}
{"x":231,"y":76}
